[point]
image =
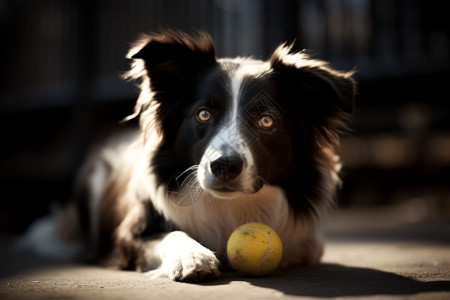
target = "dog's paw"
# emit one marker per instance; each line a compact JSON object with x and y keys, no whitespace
{"x":192,"y":266}
{"x":186,"y":260}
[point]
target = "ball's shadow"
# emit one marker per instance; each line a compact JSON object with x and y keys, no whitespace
{"x":333,"y":280}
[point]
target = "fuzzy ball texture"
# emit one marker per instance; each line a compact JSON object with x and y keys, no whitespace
{"x":254,"y":249}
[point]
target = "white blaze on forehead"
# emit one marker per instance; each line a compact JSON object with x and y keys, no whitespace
{"x":236,"y":82}
{"x":230,"y":133}
{"x":229,"y":136}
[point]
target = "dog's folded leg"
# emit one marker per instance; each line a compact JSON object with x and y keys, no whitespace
{"x":181,"y":258}
{"x":174,"y":254}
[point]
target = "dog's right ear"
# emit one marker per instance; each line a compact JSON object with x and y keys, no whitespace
{"x":172,"y":59}
{"x":167,"y":65}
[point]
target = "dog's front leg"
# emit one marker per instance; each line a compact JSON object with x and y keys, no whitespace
{"x":181,"y":258}
{"x":173,"y":254}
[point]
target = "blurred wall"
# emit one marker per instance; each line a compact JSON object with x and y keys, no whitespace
{"x":60,"y":87}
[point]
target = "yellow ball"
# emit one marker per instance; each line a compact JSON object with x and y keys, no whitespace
{"x":254,"y":249}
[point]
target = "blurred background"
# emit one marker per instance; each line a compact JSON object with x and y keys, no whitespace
{"x":61,"y":91}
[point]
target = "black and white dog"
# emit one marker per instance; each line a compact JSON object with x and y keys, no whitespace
{"x":222,"y":142}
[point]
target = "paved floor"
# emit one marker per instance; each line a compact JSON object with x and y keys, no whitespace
{"x":370,"y":254}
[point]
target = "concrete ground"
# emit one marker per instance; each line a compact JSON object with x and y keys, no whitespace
{"x":396,"y":252}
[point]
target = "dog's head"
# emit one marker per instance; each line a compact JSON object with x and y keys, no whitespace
{"x":229,"y":126}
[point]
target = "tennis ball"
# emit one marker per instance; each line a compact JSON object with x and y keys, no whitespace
{"x":254,"y":249}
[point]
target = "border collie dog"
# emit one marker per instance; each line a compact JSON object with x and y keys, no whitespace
{"x":222,"y":142}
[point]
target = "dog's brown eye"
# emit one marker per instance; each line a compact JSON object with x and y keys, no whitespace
{"x":204,"y":115}
{"x":266,"y":122}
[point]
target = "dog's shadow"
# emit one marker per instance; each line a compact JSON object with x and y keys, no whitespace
{"x":333,"y":280}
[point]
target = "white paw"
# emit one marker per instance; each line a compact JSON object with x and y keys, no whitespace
{"x":187,"y":261}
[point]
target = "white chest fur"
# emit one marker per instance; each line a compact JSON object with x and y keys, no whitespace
{"x":210,"y":221}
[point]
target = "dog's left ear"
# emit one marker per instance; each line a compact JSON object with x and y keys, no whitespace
{"x":313,"y":85}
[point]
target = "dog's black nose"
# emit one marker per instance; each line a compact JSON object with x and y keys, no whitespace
{"x":227,"y":167}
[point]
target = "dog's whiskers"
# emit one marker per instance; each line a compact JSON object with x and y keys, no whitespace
{"x":190,"y":186}
{"x":193,"y":168}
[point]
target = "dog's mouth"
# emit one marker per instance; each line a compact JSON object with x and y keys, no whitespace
{"x":230,"y":189}
{"x":225,"y":189}
{"x":222,"y":194}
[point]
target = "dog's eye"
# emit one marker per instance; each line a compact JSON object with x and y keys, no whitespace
{"x":203,"y":115}
{"x":266,"y":122}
